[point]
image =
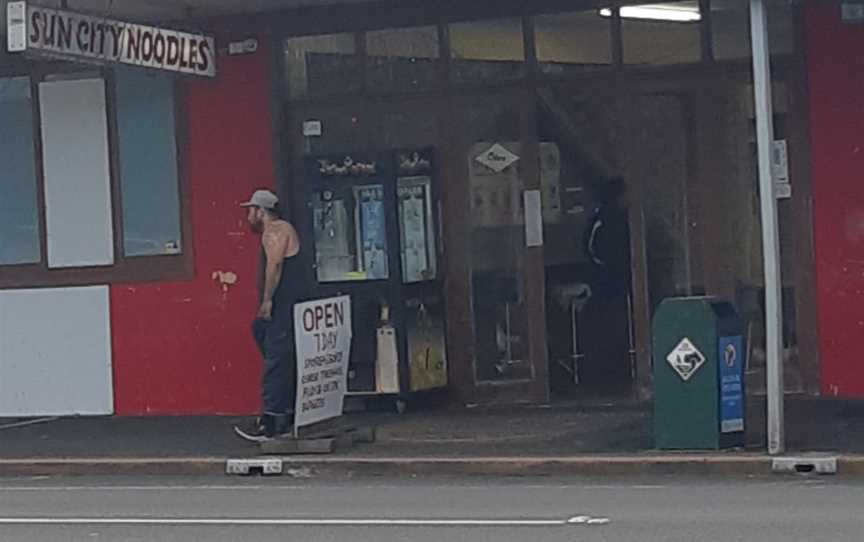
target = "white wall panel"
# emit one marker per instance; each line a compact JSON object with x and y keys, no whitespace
{"x":77,"y":174}
{"x":55,"y":352}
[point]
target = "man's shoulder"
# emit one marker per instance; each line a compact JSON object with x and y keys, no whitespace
{"x":281,"y":227}
{"x":287,"y":228}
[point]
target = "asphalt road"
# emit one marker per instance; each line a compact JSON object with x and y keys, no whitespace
{"x":474,"y":509}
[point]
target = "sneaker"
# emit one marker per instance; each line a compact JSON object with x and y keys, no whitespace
{"x":257,"y":435}
{"x":256,"y":431}
{"x":265,"y":428}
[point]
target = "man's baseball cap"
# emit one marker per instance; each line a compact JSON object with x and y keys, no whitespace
{"x":264,"y":199}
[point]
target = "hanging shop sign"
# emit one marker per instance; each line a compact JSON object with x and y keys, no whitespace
{"x":53,"y":33}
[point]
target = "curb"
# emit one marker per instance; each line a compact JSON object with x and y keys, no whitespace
{"x":673,"y":464}
{"x":118,"y":466}
{"x":537,"y":466}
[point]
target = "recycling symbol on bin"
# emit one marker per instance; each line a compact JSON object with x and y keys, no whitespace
{"x":686,"y":359}
{"x":730,"y":355}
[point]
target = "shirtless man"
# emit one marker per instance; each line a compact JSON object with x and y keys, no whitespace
{"x":279,"y":279}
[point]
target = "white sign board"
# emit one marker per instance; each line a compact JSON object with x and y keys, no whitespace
{"x":62,"y":34}
{"x":686,"y":359}
{"x":322,"y":331}
{"x":533,"y":218}
{"x":16,"y":27}
{"x":313,"y":128}
{"x":780,"y":161}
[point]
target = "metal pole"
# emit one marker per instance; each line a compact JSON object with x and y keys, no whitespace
{"x":770,"y":239}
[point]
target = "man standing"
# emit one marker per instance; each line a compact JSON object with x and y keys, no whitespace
{"x":608,"y":242}
{"x":279,"y":280}
{"x":608,"y":362}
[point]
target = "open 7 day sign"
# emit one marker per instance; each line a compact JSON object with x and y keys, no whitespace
{"x":322,"y":330}
{"x":53,"y":33}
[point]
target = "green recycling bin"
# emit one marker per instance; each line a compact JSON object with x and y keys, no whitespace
{"x":699,"y":360}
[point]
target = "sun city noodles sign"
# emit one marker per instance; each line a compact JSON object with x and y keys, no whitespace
{"x":85,"y":38}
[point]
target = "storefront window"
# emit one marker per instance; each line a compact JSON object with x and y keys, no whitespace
{"x":19,"y":224}
{"x":660,"y":134}
{"x":408,"y":125}
{"x":583,"y":152}
{"x":350,"y":233}
{"x":487,"y":50}
{"x":71,"y":186}
{"x":573,"y":42}
{"x":320,"y":65}
{"x":659,"y":34}
{"x":148,"y":164}
{"x":731,"y":29}
{"x":495,"y":174}
{"x":403,"y":59}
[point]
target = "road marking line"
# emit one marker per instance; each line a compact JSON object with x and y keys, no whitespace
{"x":147,"y":488}
{"x":275,"y":486}
{"x":263,"y":488}
{"x":290,"y":522}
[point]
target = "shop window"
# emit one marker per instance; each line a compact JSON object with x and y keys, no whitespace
{"x":730,"y":25}
{"x":350,"y":232}
{"x":19,"y":223}
{"x":413,"y":124}
{"x":90,"y":193}
{"x":487,"y":50}
{"x":321,"y":65}
{"x":573,"y":42}
{"x":661,"y":34}
{"x":148,"y":163}
{"x":403,"y":59}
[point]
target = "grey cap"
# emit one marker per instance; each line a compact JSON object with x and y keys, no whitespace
{"x":264,"y":199}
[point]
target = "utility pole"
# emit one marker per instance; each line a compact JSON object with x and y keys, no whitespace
{"x":770,"y":238}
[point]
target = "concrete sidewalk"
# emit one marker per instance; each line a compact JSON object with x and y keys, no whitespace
{"x":602,"y":437}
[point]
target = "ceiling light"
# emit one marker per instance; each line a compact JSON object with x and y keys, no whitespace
{"x":658,"y":12}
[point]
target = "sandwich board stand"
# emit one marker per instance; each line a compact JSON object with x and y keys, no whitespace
{"x":322,"y":334}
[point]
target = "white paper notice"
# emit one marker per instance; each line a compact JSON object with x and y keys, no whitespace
{"x":533,"y":218}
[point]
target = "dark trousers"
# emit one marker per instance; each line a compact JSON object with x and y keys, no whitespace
{"x":606,"y":332}
{"x":275,"y":339}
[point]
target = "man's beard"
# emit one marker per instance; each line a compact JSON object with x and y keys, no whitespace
{"x":256,"y":227}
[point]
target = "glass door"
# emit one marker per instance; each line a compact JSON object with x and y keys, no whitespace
{"x":495,"y":170}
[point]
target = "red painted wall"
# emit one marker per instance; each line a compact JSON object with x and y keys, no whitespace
{"x":185,"y":348}
{"x":835,"y":53}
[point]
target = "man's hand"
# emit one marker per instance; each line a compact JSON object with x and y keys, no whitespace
{"x":265,"y":312}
